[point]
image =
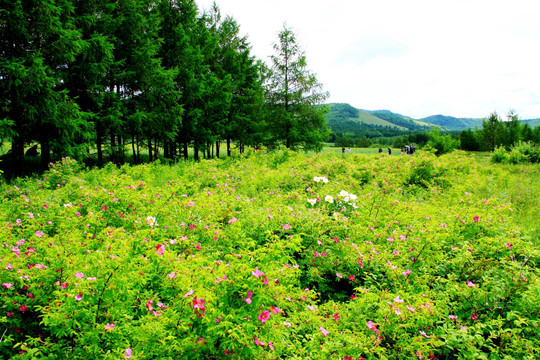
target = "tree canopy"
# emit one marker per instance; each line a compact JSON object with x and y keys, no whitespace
{"x":80,"y":77}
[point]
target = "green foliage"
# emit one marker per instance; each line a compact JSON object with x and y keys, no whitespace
{"x":293,"y":93}
{"x":275,"y":255}
{"x":442,"y":143}
{"x":521,"y":152}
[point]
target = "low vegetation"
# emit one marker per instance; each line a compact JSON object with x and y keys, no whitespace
{"x":273,"y":255}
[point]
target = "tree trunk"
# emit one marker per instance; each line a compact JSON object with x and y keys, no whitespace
{"x":138,"y":150}
{"x":133,"y":149}
{"x":186,"y":153}
{"x":229,"y":147}
{"x":99,"y":143}
{"x":196,"y":151}
{"x":217,"y":149}
{"x":150,"y":152}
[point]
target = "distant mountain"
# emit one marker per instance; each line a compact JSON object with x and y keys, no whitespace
{"x":451,"y":123}
{"x":346,"y":118}
{"x":532,"y":122}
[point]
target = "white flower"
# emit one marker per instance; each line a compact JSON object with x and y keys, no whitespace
{"x":151,"y":221}
{"x":320,"y":178}
{"x":343,"y":193}
{"x":312,"y":201}
{"x":329,"y":199}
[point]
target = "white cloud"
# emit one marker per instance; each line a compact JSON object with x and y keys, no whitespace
{"x":418,"y":57}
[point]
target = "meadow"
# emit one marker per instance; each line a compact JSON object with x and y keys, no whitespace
{"x":272,"y":256}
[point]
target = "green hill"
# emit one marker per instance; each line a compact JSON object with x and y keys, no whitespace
{"x":346,"y":119}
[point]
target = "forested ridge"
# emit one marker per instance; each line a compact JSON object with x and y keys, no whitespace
{"x":117,"y":79}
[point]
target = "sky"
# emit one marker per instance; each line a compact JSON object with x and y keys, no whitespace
{"x":462,"y":58}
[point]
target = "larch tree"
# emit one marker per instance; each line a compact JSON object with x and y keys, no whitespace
{"x":294,"y":96}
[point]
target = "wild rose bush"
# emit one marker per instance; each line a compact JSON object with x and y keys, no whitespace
{"x":268,"y":256}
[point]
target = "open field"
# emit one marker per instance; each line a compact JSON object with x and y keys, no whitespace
{"x":273,"y":255}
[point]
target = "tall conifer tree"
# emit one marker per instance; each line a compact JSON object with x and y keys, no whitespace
{"x":293,"y":93}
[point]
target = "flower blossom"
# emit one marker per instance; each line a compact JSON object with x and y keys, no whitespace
{"x":324,"y":331}
{"x":265,"y":315}
{"x":372,"y":326}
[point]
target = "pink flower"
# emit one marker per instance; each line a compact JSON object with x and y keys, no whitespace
{"x":407,"y":272}
{"x":198,"y":305}
{"x":160,"y":249}
{"x":189,"y":293}
{"x":476,"y":219}
{"x":257,"y":273}
{"x":172,"y":275}
{"x":398,"y":299}
{"x":372,"y":326}
{"x":453,"y":317}
{"x":424,"y":334}
{"x":324,"y":331}
{"x":39,"y":233}
{"x":286,"y":226}
{"x":508,"y":245}
{"x":7,"y":285}
{"x":109,"y":327}
{"x":191,"y":227}
{"x":275,"y":309}
{"x":470,"y":284}
{"x":270,"y":346}
{"x":23,"y":308}
{"x":410,"y":308}
{"x":128,"y":353}
{"x":64,"y":285}
{"x":336,"y":316}
{"x":104,"y":208}
{"x":78,"y":297}
{"x":339,"y":275}
{"x":398,"y":312}
{"x":265,"y":315}
{"x":257,"y":342}
{"x":79,"y":275}
{"x":474,"y":316}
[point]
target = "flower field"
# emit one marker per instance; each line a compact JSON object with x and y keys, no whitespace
{"x":269,"y":256}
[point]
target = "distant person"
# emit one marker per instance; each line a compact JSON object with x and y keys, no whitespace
{"x":343,"y":149}
{"x":349,"y":150}
{"x":389,"y":151}
{"x":380,"y":150}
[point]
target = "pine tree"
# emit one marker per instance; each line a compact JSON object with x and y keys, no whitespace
{"x":38,"y":39}
{"x":292,"y":94}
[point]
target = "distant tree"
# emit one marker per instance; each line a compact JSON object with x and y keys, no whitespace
{"x":469,"y":141}
{"x":492,"y":133}
{"x":443,"y":143}
{"x":512,"y":128}
{"x":527,"y":133}
{"x":292,"y":94}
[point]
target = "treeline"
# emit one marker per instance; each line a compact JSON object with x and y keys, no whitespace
{"x":495,"y":133}
{"x":125,"y":77}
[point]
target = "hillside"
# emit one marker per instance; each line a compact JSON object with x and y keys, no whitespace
{"x":451,"y":123}
{"x":346,"y":118}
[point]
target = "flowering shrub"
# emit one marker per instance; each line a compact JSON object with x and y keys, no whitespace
{"x":267,"y":256}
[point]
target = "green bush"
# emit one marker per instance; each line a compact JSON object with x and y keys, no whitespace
{"x":500,"y":156}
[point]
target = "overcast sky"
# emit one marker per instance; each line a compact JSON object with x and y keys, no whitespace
{"x":463,"y":58}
